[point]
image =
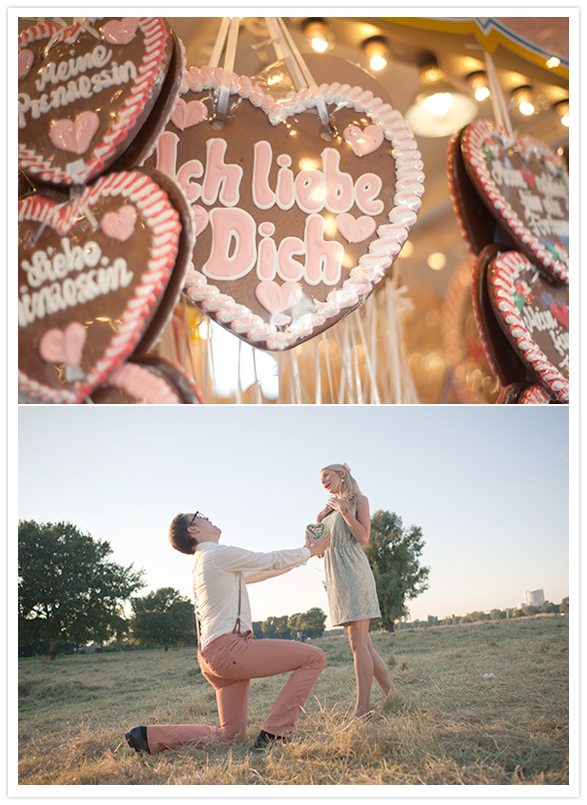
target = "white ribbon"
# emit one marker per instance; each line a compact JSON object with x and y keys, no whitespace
{"x":499,"y":105}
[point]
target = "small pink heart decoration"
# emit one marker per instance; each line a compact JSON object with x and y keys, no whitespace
{"x":120,"y":224}
{"x":354,"y":229}
{"x":200,"y":216}
{"x":277,"y":298}
{"x":75,"y":136}
{"x":188,"y":114}
{"x":363,"y":141}
{"x":121,"y":33}
{"x":25,"y":62}
{"x":64,"y":346}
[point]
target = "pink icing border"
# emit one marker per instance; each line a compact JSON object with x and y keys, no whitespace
{"x":382,"y":251}
{"x":473,"y":138}
{"x":142,"y":383}
{"x":156,"y":36}
{"x":505,"y":269}
{"x":162,"y":218}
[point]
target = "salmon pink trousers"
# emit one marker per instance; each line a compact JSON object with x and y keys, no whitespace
{"x":228,"y":664}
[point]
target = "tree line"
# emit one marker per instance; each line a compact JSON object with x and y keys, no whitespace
{"x":495,"y":614}
{"x":70,"y":592}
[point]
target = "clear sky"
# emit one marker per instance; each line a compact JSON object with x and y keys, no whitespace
{"x":489,"y":486}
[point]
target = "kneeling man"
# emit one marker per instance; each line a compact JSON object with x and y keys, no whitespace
{"x":228,"y":655}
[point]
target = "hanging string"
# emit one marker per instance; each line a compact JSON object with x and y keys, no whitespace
{"x":214,"y":60}
{"x":283,"y":53}
{"x":498,"y":103}
{"x":229,"y":56}
{"x":368,"y":362}
{"x":328,"y":369}
{"x":313,"y":86}
{"x":317,"y":373}
{"x":355,"y":358}
{"x":258,"y":396}
{"x":297,"y":386}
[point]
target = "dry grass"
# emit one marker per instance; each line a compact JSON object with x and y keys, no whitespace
{"x":481,"y":704}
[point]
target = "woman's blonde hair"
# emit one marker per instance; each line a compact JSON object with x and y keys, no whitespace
{"x":349,"y":485}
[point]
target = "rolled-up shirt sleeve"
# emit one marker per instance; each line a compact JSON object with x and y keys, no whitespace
{"x":258,"y":566}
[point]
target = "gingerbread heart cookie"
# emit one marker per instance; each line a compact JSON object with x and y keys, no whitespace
{"x":504,"y":362}
{"x":533,"y":313}
{"x":525,"y":187}
{"x":478,"y":227}
{"x":148,"y":381}
{"x":316,"y":530}
{"x":86,"y":92}
{"x":92,"y":272}
{"x":293,"y":231}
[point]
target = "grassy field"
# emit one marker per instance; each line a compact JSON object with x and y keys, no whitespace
{"x":481,"y":704}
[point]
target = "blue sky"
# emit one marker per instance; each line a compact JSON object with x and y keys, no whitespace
{"x":489,"y":486}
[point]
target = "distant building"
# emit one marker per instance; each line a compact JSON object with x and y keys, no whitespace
{"x":533,"y":598}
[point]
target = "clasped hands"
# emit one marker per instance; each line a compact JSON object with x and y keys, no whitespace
{"x":317,"y":546}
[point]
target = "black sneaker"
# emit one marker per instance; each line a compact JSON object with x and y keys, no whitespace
{"x":266,"y":739}
{"x":136,"y":738}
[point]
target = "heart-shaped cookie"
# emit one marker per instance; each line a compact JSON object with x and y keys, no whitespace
{"x":504,"y":362}
{"x":86,"y":92}
{"x":525,"y":187}
{"x":533,"y":314}
{"x":316,"y":530}
{"x":86,"y":296}
{"x":269,"y":191}
{"x":478,"y":226}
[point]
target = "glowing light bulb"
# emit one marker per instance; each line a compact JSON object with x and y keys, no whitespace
{"x":439,"y":103}
{"x":377,"y":63}
{"x":319,"y":44}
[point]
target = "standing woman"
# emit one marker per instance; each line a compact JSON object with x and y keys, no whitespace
{"x":350,"y":585}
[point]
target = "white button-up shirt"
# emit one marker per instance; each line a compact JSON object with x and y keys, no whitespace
{"x":215,"y":580}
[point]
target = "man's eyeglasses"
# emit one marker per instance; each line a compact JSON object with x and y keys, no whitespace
{"x":197,"y":514}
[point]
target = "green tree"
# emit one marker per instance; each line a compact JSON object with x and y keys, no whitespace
{"x":67,"y":590}
{"x":311,"y":623}
{"x":277,"y":627}
{"x":564,"y":606}
{"x":394,"y":555}
{"x":163,"y":617}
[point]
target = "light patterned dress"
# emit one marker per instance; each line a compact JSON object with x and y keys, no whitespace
{"x":350,"y":585}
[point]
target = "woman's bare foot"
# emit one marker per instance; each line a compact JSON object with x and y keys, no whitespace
{"x":360,"y":713}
